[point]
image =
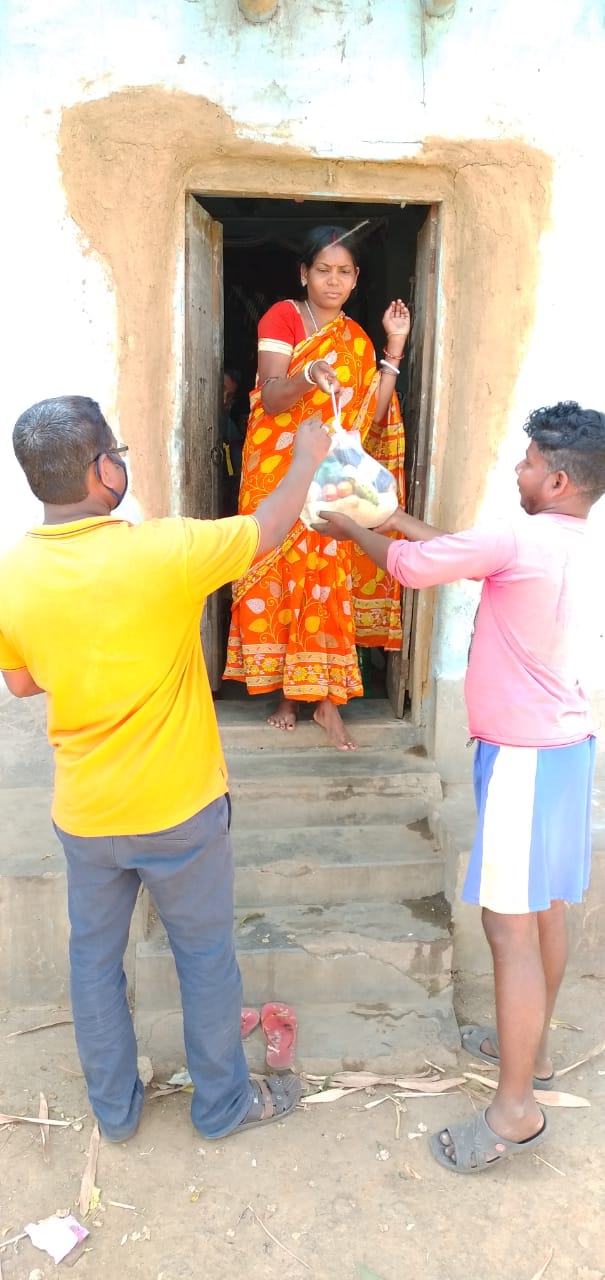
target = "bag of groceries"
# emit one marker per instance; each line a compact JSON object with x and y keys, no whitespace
{"x":350,"y":482}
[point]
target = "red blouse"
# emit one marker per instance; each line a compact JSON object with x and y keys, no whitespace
{"x":281,"y":328}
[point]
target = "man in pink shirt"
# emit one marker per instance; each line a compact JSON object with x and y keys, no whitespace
{"x":534,"y":756}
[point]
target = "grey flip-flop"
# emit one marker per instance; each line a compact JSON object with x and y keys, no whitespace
{"x":477,"y":1147}
{"x":472,"y":1038}
{"x":275,"y":1096}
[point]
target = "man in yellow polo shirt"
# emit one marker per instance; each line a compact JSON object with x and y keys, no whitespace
{"x":104,"y":618}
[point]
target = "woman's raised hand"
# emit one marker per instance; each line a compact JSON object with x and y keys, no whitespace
{"x":312,"y":441}
{"x":396,"y":320}
{"x":323,"y":375}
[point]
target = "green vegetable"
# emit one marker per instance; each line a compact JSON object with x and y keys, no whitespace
{"x":364,"y":491}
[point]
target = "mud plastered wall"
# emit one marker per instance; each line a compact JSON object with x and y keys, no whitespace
{"x":108,"y":119}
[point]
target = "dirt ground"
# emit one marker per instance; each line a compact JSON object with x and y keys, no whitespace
{"x":333,"y":1184}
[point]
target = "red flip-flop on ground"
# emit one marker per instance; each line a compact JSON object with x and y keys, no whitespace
{"x":250,"y":1020}
{"x":279,"y":1026}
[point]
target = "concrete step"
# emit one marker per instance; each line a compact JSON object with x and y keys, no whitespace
{"x":25,"y":753}
{"x":243,"y":725}
{"x":290,"y":865}
{"x":370,"y":982}
{"x":34,"y":929}
{"x":34,"y":926}
{"x":327,"y":864}
{"x":385,"y":1037}
{"x":360,"y":951}
{"x":293,"y":789}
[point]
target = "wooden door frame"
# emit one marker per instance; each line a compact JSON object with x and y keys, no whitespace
{"x":405,"y":675}
{"x":202,"y":394}
{"x":418,"y":615}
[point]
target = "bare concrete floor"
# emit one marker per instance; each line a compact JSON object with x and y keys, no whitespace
{"x":320,"y":1182}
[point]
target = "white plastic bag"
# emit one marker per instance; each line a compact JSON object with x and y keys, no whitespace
{"x":350,"y":482}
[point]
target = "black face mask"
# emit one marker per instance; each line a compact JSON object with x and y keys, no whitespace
{"x":119,"y":497}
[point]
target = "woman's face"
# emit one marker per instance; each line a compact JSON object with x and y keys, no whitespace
{"x":331,"y":278}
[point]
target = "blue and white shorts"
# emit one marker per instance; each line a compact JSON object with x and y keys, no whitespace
{"x":532,"y":844}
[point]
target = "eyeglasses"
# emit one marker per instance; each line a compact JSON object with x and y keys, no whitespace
{"x":118,"y":448}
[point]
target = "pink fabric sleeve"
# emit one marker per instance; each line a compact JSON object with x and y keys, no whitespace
{"x":476,"y":553}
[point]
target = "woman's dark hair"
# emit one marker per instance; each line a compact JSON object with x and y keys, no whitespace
{"x":572,"y":440}
{"x":321,"y":237}
{"x":55,"y":442}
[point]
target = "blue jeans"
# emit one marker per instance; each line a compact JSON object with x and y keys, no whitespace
{"x":188,"y":870}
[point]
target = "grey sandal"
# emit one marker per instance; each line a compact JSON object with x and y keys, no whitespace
{"x":274,"y":1097}
{"x":472,"y":1038}
{"x":477,"y":1147}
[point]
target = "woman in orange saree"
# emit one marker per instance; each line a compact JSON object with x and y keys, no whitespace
{"x":299,"y":613}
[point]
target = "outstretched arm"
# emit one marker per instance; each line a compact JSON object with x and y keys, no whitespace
{"x":428,"y":557}
{"x":279,"y":391}
{"x":373,"y":541}
{"x":409,"y":527}
{"x":276,"y":514}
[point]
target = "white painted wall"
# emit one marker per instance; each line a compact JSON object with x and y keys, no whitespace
{"x":343,"y":78}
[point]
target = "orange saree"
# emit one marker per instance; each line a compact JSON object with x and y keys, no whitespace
{"x":299,"y":613}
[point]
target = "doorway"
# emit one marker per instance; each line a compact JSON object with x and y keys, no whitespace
{"x":241,"y":255}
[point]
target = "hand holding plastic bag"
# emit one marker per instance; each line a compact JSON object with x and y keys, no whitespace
{"x":351,"y":482}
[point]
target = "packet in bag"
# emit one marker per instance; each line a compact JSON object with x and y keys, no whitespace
{"x":351,"y":482}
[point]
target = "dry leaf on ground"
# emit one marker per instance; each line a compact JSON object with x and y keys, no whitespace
{"x":367,"y":1080}
{"x":6,"y":1244}
{"x":165,"y":1093}
{"x":592,"y":1053}
{"x":546,"y":1098}
{"x":58,"y":1124}
{"x":348,"y":1082}
{"x":549,"y":1165}
{"x":330,"y":1095}
{"x":87,"y":1184}
{"x":44,"y":1129}
{"x":40,"y":1026}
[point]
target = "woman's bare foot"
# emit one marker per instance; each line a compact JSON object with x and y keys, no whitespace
{"x":328,"y":716}
{"x":286,"y":715}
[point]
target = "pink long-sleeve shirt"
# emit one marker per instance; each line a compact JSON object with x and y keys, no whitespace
{"x":522,"y":685}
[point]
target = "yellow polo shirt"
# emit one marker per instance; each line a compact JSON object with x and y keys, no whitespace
{"x":106,"y":618}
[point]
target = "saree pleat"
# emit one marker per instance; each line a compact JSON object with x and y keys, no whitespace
{"x":300,"y":611}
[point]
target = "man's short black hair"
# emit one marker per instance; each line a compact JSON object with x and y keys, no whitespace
{"x":55,"y":442}
{"x":572,"y":440}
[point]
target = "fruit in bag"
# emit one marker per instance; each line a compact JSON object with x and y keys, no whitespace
{"x":351,"y":482}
